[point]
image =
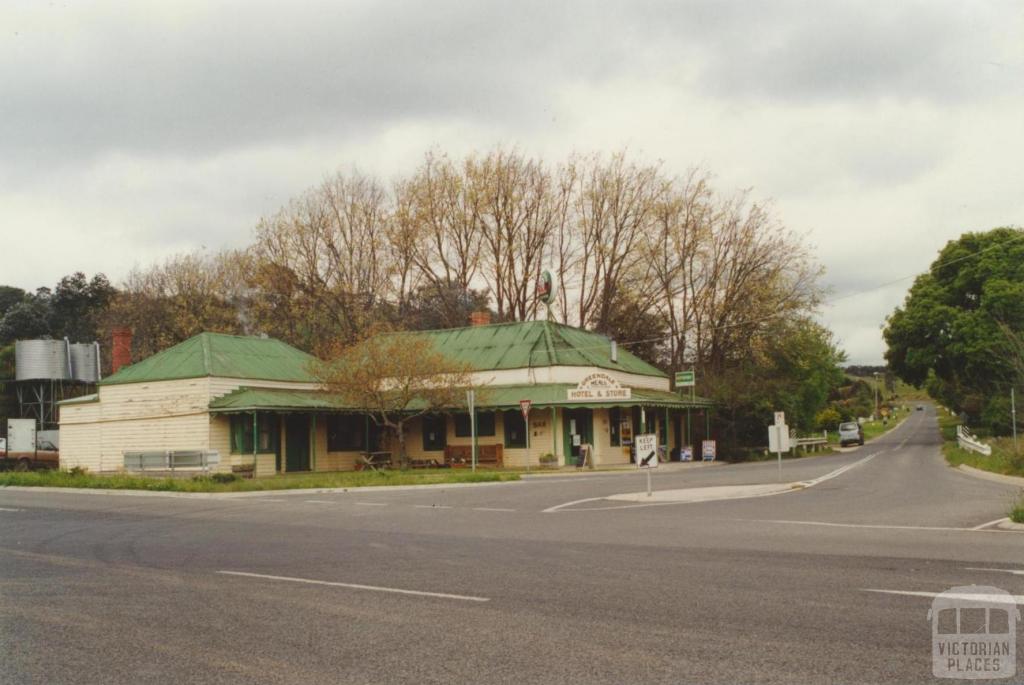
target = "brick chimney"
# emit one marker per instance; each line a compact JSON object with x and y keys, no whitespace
{"x":122,"y":352}
{"x":481,"y":318}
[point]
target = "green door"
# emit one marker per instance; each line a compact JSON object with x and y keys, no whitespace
{"x":578,"y":428}
{"x":296,"y":442}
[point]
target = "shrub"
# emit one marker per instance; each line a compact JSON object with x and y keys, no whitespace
{"x":548,"y":458}
{"x":78,"y":471}
{"x":224,"y":477}
{"x":1017,"y":513}
{"x":828,"y":419}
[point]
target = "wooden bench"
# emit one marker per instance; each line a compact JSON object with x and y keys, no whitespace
{"x":462,"y":455}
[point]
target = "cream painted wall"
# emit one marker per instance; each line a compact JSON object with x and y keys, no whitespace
{"x":564,"y":374}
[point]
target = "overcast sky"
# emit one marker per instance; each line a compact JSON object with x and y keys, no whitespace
{"x":881,"y":129}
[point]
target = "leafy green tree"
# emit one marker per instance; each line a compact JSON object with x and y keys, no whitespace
{"x":795,"y":366}
{"x":77,"y":305}
{"x":27,"y":319}
{"x":9,"y":296}
{"x":950,"y":335}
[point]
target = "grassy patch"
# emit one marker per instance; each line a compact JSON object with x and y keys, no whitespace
{"x":344,"y":479}
{"x":1002,"y":460}
{"x":1017,"y":513}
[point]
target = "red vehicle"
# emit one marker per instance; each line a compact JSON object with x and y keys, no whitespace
{"x":46,"y":457}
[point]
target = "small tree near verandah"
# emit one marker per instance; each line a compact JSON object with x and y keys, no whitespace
{"x":394,"y":378}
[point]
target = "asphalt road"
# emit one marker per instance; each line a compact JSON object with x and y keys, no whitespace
{"x":485,"y":584}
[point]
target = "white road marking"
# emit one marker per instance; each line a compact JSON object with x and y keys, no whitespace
{"x":371,"y":504}
{"x":317,"y":501}
{"x":569,"y":504}
{"x":491,"y":509}
{"x":8,"y":509}
{"x":996,"y":570}
{"x":431,"y":506}
{"x":990,"y":523}
{"x":357,"y":586}
{"x":803,"y":486}
{"x":865,"y":525}
{"x":1017,"y":599}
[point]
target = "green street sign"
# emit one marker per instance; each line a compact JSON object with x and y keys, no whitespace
{"x":685,"y":379}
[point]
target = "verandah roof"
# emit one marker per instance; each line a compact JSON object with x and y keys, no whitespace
{"x":247,"y":399}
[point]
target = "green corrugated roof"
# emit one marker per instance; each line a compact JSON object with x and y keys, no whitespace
{"x":224,"y":356}
{"x":495,"y":396}
{"x":260,"y":399}
{"x":532,"y":344}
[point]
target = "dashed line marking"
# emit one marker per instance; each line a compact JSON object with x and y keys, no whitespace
{"x":1014,"y":571}
{"x":357,"y":586}
{"x":432,"y":506}
{"x":1016,"y":599}
{"x":317,"y":501}
{"x":371,"y":504}
{"x":491,"y":509}
{"x":8,"y":509}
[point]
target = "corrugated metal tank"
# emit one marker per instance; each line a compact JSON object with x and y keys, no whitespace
{"x":36,"y":360}
{"x":85,"y":362}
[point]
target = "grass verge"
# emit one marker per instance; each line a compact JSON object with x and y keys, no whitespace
{"x":343,"y":479}
{"x":1002,"y":460}
{"x":1017,"y":513}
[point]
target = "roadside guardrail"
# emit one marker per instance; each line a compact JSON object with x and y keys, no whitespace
{"x":969,"y":441}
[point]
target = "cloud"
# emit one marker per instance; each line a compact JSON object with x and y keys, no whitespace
{"x":880,"y":130}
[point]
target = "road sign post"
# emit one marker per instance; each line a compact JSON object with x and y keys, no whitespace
{"x":471,"y":404}
{"x":524,"y":406}
{"x":647,"y":455}
{"x":778,"y":438}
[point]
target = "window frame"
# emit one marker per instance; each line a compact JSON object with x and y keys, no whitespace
{"x":440,"y":424}
{"x":485,"y":425}
{"x":516,"y":416}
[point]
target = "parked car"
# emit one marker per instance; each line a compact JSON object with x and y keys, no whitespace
{"x":850,"y":432}
{"x":45,"y":457}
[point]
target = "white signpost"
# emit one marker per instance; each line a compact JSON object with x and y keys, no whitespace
{"x":524,"y":406}
{"x":778,"y":438}
{"x":471,"y":404}
{"x":647,"y":455}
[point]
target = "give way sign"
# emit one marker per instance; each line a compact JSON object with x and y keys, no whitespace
{"x":524,"y":406}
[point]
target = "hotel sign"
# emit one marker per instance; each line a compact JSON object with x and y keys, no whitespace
{"x":598,"y":387}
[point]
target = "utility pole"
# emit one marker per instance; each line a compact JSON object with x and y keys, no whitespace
{"x":878,"y":409}
{"x":1013,"y":419}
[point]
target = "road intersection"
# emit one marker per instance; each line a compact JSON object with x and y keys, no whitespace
{"x":553,"y":579}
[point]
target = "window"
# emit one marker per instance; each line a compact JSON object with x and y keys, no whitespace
{"x":515,"y":429}
{"x":434,"y":437}
{"x":614,"y":419}
{"x":346,"y":433}
{"x":484,"y":425}
{"x":268,"y":433}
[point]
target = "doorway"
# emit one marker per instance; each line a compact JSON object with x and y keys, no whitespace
{"x":578,"y":428}
{"x":296,"y":453}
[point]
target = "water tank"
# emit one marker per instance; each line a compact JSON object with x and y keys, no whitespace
{"x":85,"y":362}
{"x":38,"y":360}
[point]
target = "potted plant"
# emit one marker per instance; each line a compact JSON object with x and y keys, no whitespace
{"x":548,"y":459}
